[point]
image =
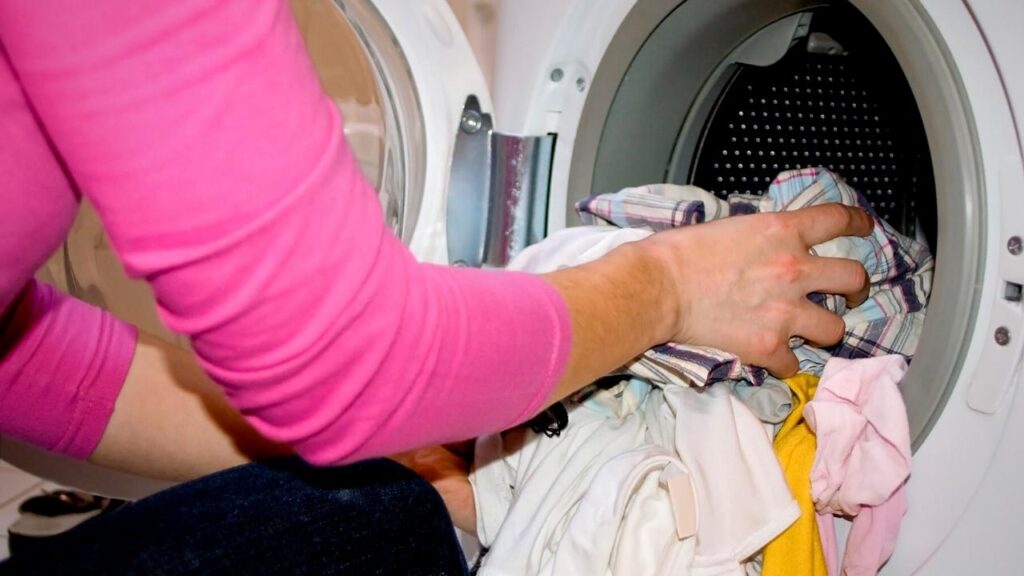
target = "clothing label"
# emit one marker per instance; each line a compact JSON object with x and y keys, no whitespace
{"x":684,"y":505}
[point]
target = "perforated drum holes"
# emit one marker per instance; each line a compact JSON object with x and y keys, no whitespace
{"x":843,"y":112}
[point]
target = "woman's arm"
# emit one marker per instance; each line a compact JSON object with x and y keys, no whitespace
{"x":218,"y":166}
{"x":171,"y":422}
{"x":738,"y":284}
{"x":76,"y":380}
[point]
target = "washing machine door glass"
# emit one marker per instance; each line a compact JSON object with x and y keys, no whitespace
{"x":364,"y":71}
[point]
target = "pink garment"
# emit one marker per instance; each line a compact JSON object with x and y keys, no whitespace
{"x":63,"y":363}
{"x":863,"y":459}
{"x":199,"y":130}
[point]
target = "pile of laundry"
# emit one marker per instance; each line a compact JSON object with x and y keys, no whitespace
{"x":689,"y":462}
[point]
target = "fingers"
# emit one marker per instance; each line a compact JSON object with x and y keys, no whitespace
{"x":838,"y":276}
{"x":858,"y":298}
{"x":818,"y":326}
{"x":783,"y":363}
{"x":463,"y":449}
{"x":818,"y":224}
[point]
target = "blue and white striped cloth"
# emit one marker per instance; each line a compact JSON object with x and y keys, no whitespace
{"x":900,"y":269}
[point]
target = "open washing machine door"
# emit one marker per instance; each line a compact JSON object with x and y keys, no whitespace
{"x":401,"y":73}
{"x":639,"y":91}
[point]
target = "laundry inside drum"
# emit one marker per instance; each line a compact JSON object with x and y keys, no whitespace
{"x":837,"y":99}
{"x":728,"y":94}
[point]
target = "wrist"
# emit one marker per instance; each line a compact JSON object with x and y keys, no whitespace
{"x":658,"y":296}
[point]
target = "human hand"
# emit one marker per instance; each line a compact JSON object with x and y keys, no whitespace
{"x":447,"y":469}
{"x":741,"y":284}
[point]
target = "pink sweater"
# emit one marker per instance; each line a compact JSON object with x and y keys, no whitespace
{"x":199,"y":130}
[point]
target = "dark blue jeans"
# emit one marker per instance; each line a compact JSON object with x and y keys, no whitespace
{"x":281,"y":517}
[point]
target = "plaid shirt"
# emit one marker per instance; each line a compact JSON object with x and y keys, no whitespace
{"x":900,"y":269}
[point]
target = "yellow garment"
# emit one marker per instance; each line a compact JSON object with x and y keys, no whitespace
{"x":797,"y":551}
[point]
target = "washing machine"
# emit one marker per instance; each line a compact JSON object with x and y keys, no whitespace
{"x":917,"y":103}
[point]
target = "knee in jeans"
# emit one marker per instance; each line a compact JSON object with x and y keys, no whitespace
{"x":376,"y":487}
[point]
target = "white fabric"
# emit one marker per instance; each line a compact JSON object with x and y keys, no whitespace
{"x":527,"y":486}
{"x":626,"y":505}
{"x":592,"y":500}
{"x":574,"y":246}
{"x":742,"y":493}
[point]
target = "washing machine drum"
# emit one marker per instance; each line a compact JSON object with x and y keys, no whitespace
{"x":837,"y":99}
{"x":726,"y":95}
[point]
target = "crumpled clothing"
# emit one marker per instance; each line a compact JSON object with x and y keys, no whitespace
{"x":797,"y":551}
{"x":526,"y":486}
{"x":862,"y":460}
{"x":771,"y":402}
{"x":624,"y":506}
{"x":575,"y":503}
{"x":899,"y":268}
{"x":618,"y":400}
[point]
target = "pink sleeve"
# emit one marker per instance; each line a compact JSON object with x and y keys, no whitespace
{"x":199,"y":130}
{"x":62,"y":365}
{"x":62,"y":362}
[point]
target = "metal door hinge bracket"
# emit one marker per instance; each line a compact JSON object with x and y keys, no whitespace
{"x":498,"y":192}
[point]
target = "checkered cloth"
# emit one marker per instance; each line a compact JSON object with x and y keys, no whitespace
{"x":900,"y":271}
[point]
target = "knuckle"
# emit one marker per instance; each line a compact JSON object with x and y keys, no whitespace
{"x":840,"y":215}
{"x":767,"y":344}
{"x":791,"y":311}
{"x":789,"y":268}
{"x":852,"y":275}
{"x":778,"y":223}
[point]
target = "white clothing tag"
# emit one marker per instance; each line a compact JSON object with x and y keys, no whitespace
{"x":684,"y":504}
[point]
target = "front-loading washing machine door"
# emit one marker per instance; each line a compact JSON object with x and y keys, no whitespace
{"x":401,"y":73}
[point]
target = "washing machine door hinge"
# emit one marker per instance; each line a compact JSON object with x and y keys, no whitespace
{"x":498,"y":191}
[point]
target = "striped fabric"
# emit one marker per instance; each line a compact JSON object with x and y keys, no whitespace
{"x":900,"y":271}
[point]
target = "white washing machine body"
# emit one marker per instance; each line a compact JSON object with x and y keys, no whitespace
{"x":965,"y":508}
{"x":556,"y":58}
